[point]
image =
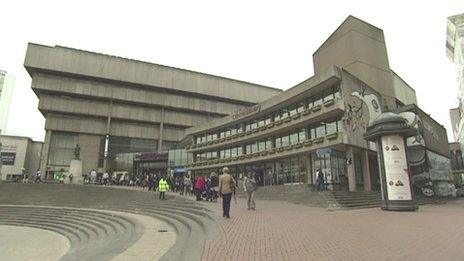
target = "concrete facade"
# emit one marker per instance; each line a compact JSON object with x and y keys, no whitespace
{"x":319,"y":124}
{"x":111,"y":105}
{"x":19,"y":155}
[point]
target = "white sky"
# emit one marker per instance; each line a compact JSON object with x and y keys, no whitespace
{"x":264,"y":42}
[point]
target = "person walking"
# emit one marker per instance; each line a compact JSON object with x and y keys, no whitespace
{"x":187,"y":185}
{"x":199,"y":187}
{"x":105,"y":178}
{"x":214,"y":186}
{"x":226,"y":188}
{"x":163,"y":186}
{"x":250,"y":185}
{"x":70,"y":178}
{"x":319,"y":180}
{"x":38,"y":177}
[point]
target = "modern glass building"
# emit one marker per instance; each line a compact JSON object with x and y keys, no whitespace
{"x":319,"y":123}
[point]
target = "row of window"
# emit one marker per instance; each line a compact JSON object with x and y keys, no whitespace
{"x":317,"y":99}
{"x":297,"y":136}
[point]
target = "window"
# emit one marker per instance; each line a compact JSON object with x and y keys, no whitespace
{"x":301,"y":135}
{"x":278,"y":142}
{"x":328,"y":94}
{"x":268,"y":144}
{"x":293,"y":111}
{"x":267,"y":120}
{"x":332,"y":127}
{"x":284,"y":113}
{"x":320,"y":131}
{"x":285,"y":140}
{"x":294,"y":138}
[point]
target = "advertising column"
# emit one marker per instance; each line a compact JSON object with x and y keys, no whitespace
{"x":390,"y":130}
{"x":396,"y":168}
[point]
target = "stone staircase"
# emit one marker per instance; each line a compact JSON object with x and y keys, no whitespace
{"x":331,"y":200}
{"x":93,"y":235}
{"x":297,"y":194}
{"x":89,"y":230}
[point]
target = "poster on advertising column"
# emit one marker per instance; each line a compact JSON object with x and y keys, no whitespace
{"x":396,"y":168}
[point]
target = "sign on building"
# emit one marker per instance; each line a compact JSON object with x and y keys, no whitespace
{"x":8,"y":158}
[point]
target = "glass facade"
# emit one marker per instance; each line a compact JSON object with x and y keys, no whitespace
{"x":179,"y":157}
{"x":61,"y":150}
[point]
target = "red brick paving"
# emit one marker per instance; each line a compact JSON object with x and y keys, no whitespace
{"x":283,"y":231}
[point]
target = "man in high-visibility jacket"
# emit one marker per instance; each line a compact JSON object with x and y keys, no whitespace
{"x":162,"y":187}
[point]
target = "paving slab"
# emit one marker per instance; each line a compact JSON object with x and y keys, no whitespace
{"x":28,"y":244}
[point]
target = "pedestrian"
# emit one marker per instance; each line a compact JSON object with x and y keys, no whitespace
{"x":38,"y":177}
{"x":250,"y":185}
{"x":162,"y":187}
{"x":105,"y":178}
{"x":199,"y":187}
{"x":214,"y":186}
{"x":319,"y":180}
{"x":151,"y":182}
{"x":93,"y":176}
{"x":187,"y":185}
{"x":70,"y":178}
{"x":226,"y":188}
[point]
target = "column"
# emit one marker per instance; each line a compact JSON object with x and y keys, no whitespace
{"x":309,"y":169}
{"x":366,"y":170}
{"x":107,"y":137}
{"x":350,"y":169}
{"x":43,"y":156}
{"x":160,"y":139}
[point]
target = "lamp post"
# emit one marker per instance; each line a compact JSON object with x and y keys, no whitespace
{"x":390,"y":130}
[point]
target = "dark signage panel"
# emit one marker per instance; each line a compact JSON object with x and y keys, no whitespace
{"x":8,"y":158}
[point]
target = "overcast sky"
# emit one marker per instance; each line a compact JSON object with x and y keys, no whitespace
{"x":264,"y":42}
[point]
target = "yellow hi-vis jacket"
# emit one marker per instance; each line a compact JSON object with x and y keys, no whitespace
{"x":163,"y":185}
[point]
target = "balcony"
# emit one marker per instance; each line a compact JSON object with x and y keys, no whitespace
{"x":317,"y":113}
{"x":303,"y":147}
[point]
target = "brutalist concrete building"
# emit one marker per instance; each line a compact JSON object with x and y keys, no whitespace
{"x":319,"y":123}
{"x":115,"y":107}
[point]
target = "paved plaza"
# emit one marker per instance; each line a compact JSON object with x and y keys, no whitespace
{"x":282,"y":231}
{"x":275,"y":231}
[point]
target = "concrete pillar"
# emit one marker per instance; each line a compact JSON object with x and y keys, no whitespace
{"x":309,"y":171}
{"x":366,"y":170}
{"x":44,"y":156}
{"x":107,"y":137}
{"x":350,"y":170}
{"x":160,"y":139}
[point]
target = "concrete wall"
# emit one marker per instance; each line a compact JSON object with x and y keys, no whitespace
{"x":86,"y":88}
{"x":360,"y":111}
{"x":111,"y":68}
{"x":128,"y":112}
{"x":27,"y":155}
{"x":90,"y":145}
{"x":403,"y":92}
{"x":359,"y":48}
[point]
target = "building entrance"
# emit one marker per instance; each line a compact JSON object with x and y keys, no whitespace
{"x":151,"y":163}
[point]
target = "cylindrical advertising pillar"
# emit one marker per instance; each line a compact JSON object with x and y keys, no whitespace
{"x":390,"y":131}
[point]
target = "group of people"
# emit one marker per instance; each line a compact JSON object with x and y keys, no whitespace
{"x":225,"y":187}
{"x":206,"y":188}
